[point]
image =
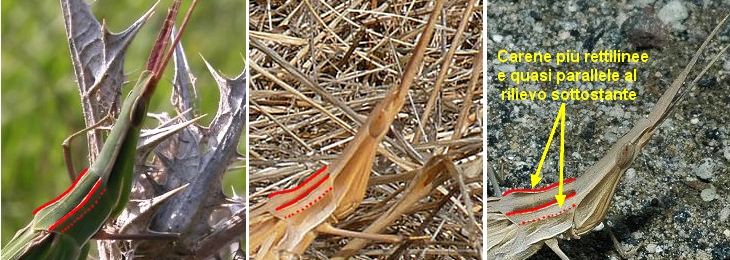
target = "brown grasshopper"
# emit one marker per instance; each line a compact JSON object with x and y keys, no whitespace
{"x":288,"y":222}
{"x":521,"y":221}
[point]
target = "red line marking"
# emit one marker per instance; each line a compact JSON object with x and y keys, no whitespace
{"x":81,"y":205}
{"x":572,"y":206}
{"x":83,"y":213}
{"x":62,"y":194}
{"x":300,"y":185}
{"x":310,"y":203}
{"x":537,"y":190}
{"x":541,"y":207}
{"x":303,"y":194}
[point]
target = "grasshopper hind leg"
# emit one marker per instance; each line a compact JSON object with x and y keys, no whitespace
{"x":625,"y":254}
{"x":553,"y":244}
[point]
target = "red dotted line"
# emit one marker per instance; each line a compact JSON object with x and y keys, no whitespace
{"x":81,"y":205}
{"x":306,"y":206}
{"x":304,"y":194}
{"x":547,"y":216}
{"x":78,"y":207}
{"x":84,"y":212}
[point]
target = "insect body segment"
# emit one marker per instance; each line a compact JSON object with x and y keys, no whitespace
{"x":303,"y":194}
{"x":542,"y":209}
{"x":551,"y":186}
{"x":293,"y":201}
{"x":300,"y":186}
{"x":306,"y":206}
{"x":84,"y":206}
{"x":62,"y":194}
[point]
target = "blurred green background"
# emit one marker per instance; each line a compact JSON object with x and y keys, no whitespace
{"x":40,"y":98}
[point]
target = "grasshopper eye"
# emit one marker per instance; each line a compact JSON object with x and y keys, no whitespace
{"x":379,"y":123}
{"x":626,"y":156}
{"x":139,"y":109}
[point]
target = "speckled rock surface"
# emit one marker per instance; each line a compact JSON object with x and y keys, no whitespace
{"x":658,"y":202}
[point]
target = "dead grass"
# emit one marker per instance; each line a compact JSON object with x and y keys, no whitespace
{"x":344,"y":57}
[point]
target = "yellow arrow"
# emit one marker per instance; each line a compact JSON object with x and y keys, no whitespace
{"x":535,"y":178}
{"x":561,"y":114}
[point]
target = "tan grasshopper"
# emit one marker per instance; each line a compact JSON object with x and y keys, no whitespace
{"x":288,"y":222}
{"x":521,"y":221}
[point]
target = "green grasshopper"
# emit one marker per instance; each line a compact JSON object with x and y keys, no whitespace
{"x":62,"y":228}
